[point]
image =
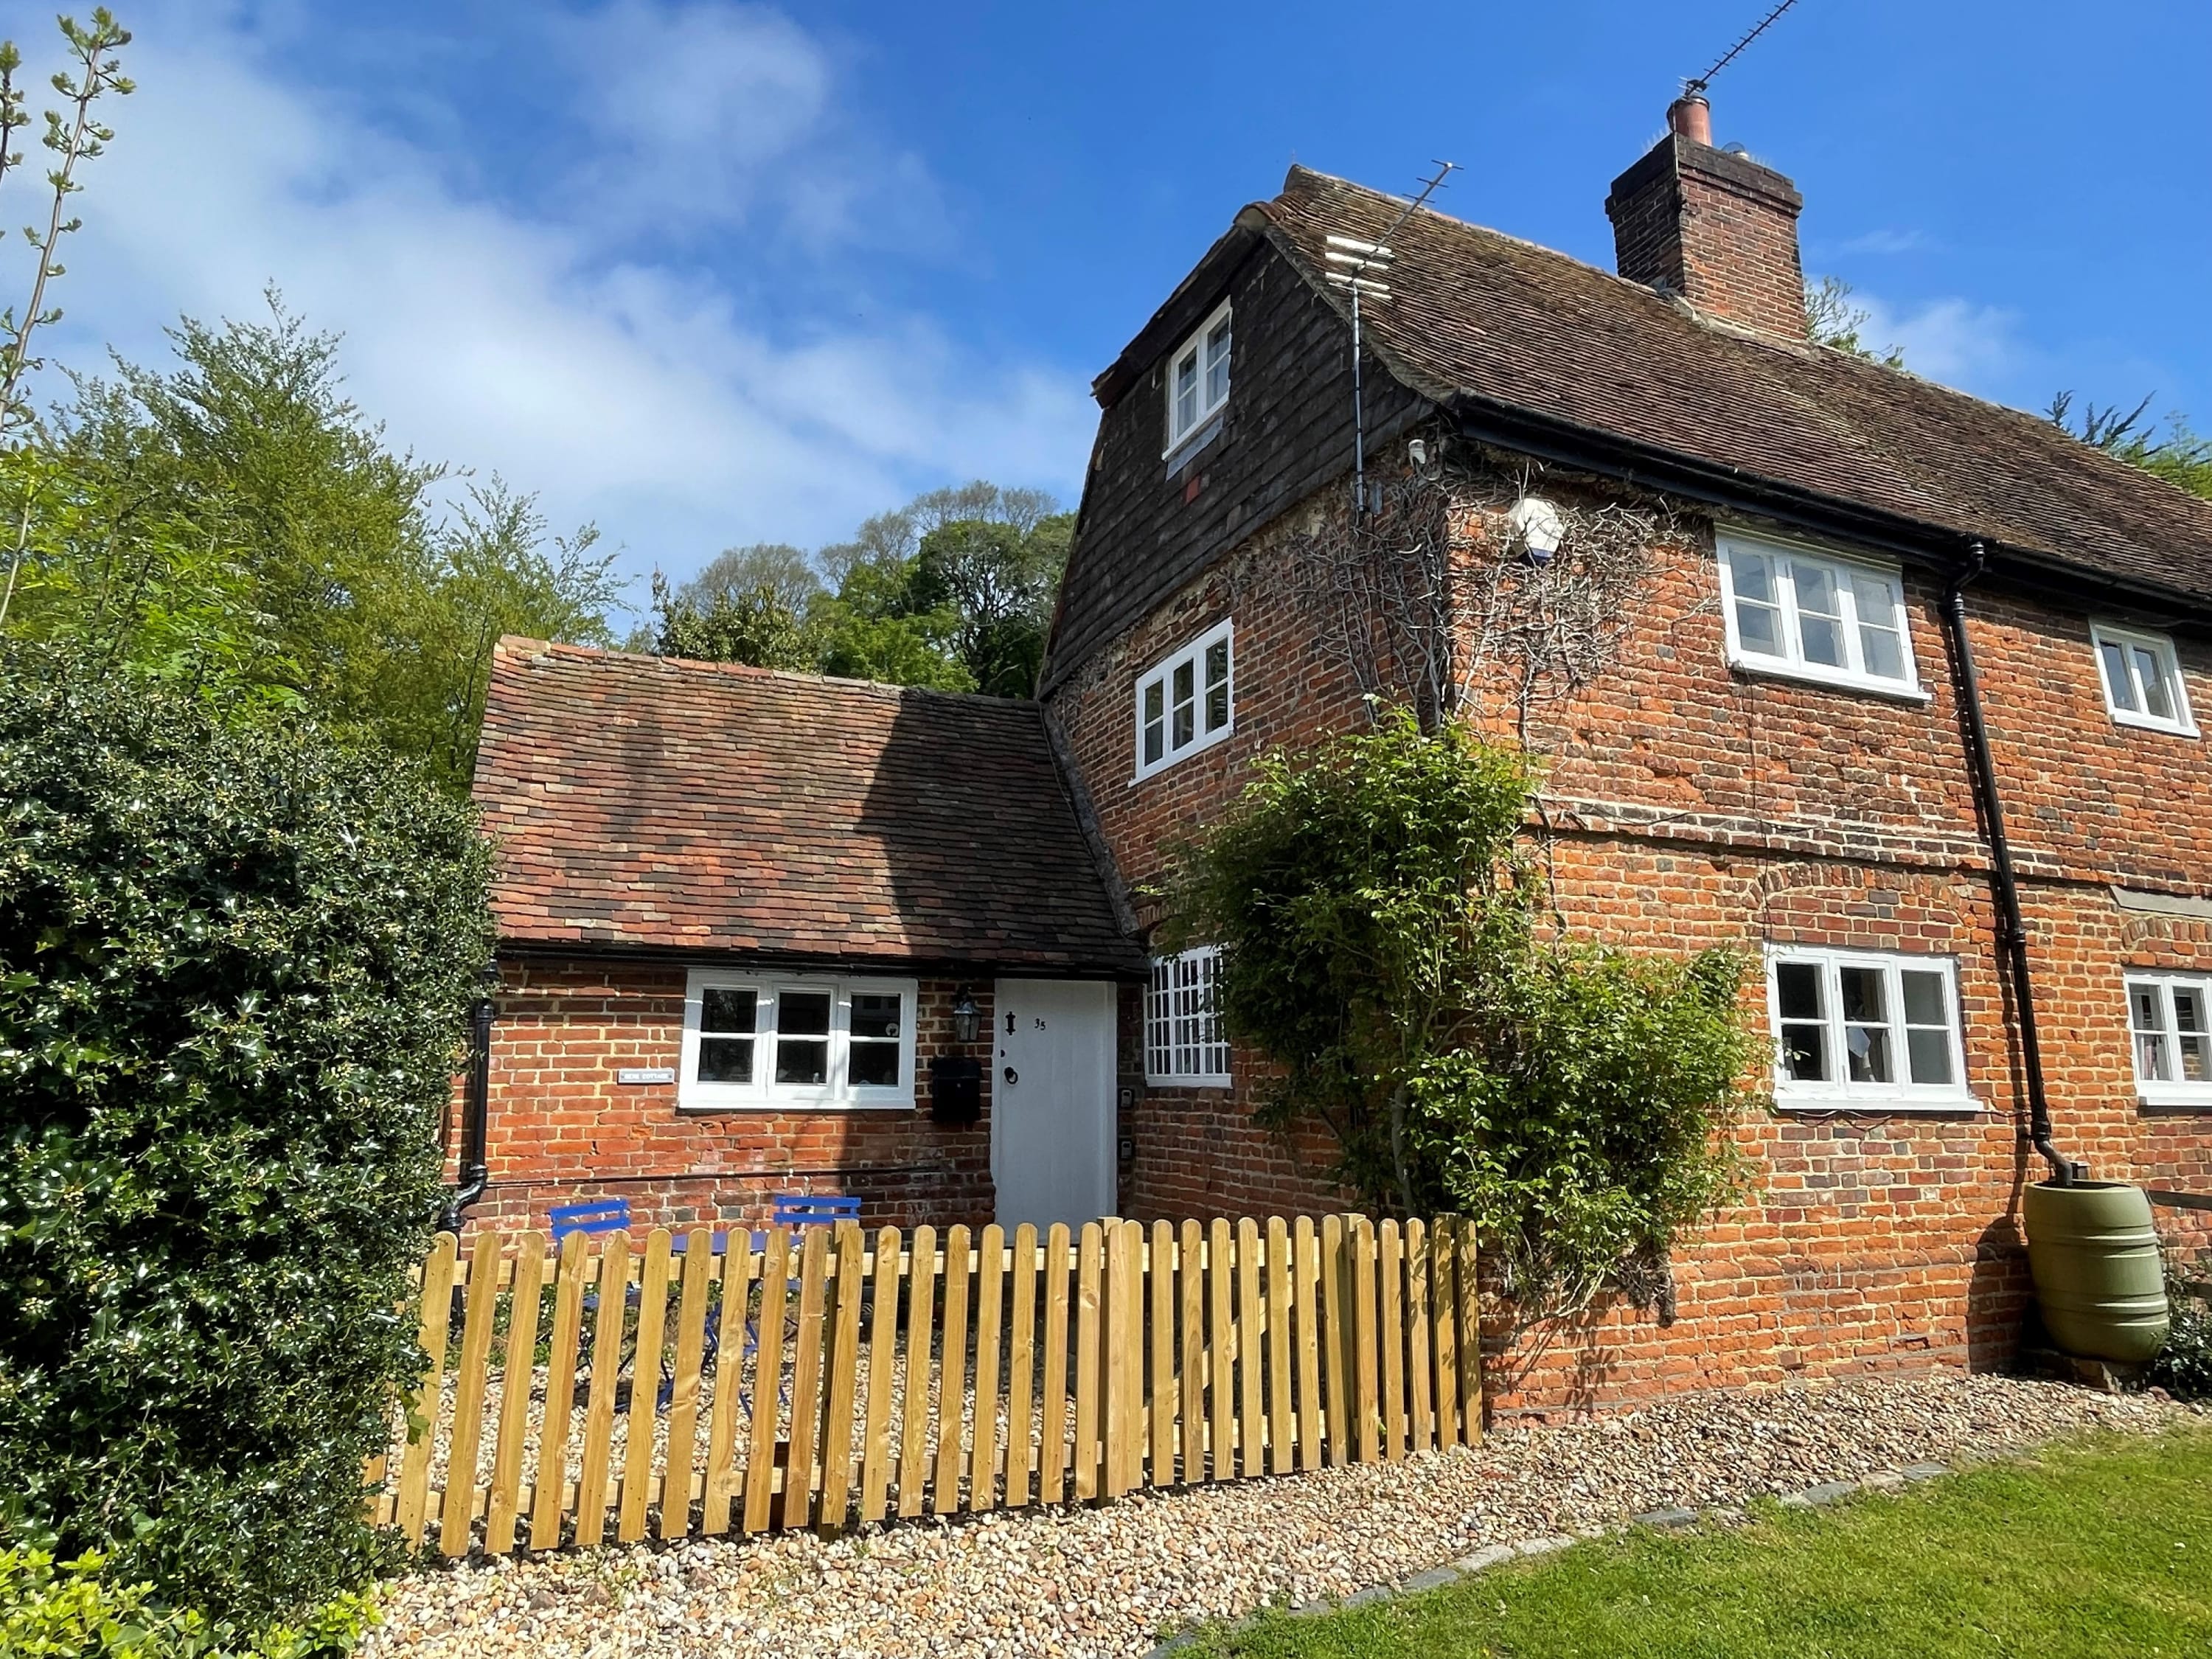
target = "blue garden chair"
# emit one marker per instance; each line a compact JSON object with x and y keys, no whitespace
{"x":608,"y":1215}
{"x":789,"y":1212}
{"x":601,"y":1216}
{"x":795,"y":1211}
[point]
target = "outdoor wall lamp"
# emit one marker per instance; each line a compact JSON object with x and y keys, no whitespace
{"x":964,"y":1016}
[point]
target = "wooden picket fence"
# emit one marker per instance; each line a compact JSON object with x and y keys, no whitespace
{"x":856,"y":1377}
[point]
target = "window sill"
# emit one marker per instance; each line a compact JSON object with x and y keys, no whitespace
{"x":757,"y":1108}
{"x":1217,"y":1084}
{"x":1888,"y":690}
{"x":2179,"y":1099}
{"x":1176,"y":457}
{"x":2152,"y":723}
{"x":1181,"y":755}
{"x":1861,"y":1106}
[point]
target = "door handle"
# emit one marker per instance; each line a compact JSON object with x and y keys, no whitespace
{"x":1012,"y":1076}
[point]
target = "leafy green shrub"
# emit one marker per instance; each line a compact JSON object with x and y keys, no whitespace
{"x":67,"y":1611}
{"x":235,"y":963}
{"x":2184,"y":1366}
{"x":1380,"y":926}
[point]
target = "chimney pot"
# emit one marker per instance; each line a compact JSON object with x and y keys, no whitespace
{"x":1692,"y":118}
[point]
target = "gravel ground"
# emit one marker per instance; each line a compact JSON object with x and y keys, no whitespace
{"x":1110,"y":1581}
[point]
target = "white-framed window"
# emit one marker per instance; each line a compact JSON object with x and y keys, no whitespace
{"x":1198,"y":379}
{"x":796,"y":1040}
{"x":1188,"y":701}
{"x":2170,"y":1028}
{"x":2142,"y":678}
{"x":1815,"y":615}
{"x":1860,"y":1029}
{"x":1183,"y":1043}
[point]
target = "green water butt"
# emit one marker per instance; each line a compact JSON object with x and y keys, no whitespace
{"x":2095,"y":1255}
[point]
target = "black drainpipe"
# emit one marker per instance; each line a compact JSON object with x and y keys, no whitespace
{"x":2011,"y":927}
{"x":475,"y":1174}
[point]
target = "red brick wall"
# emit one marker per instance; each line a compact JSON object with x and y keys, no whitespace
{"x":561,"y":1130}
{"x":1695,"y":807}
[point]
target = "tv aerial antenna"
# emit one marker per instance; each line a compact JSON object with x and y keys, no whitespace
{"x":1697,"y":85}
{"x":1350,"y":259}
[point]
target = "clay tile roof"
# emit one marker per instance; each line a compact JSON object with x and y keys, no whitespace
{"x":640,"y":802}
{"x":1474,"y":315}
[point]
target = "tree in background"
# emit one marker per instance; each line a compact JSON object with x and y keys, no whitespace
{"x":954,"y":591}
{"x":1831,"y":320}
{"x":235,"y":524}
{"x":785,"y":571}
{"x":2178,"y":455}
{"x":999,"y":580}
{"x":752,"y":626}
{"x":493,"y":568}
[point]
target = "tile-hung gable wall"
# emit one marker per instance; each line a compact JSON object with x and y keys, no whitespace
{"x":1148,"y":526}
{"x":1700,"y":803}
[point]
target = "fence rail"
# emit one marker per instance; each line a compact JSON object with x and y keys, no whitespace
{"x":858,"y":1376}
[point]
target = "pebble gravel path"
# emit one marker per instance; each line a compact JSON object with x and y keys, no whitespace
{"x":1112,"y":1581}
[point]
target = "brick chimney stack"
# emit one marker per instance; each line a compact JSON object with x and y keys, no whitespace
{"x":1712,"y":226}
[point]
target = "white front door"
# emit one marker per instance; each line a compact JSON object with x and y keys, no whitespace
{"x":1052,"y":1101}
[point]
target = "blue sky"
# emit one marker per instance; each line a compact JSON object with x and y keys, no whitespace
{"x":710,"y":273}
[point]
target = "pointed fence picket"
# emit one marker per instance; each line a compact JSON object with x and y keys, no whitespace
{"x":844,"y":1377}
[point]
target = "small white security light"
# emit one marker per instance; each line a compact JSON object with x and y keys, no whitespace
{"x":1540,"y":526}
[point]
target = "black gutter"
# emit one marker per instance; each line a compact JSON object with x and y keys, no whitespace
{"x":2012,"y":926}
{"x":1131,"y":970}
{"x":1716,"y":484}
{"x":476,"y":1174}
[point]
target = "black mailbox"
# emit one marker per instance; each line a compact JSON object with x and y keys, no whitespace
{"x":956,"y":1089}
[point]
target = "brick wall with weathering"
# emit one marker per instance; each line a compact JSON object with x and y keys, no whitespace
{"x":563,"y":1129}
{"x":1692,"y":804}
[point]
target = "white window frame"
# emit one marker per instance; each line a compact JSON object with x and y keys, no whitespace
{"x":1790,"y":663}
{"x":1837,"y":1092}
{"x":2166,"y":1092}
{"x":2127,"y":641}
{"x":1163,"y":674}
{"x":1184,"y":1047}
{"x":762,"y":1094}
{"x":1186,"y":435}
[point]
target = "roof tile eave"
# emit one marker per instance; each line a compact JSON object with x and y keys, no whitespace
{"x":663,"y":805}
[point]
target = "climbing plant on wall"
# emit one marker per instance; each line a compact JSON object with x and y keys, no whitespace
{"x":1386,"y":944}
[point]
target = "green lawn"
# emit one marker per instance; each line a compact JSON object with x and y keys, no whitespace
{"x":2099,"y":1548}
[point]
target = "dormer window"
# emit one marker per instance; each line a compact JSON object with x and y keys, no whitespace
{"x":1815,"y":615}
{"x":1198,"y":382}
{"x":2143,"y":679}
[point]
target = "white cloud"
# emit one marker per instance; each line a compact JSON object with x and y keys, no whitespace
{"x":1976,"y":348}
{"x":1884,"y":241}
{"x":707,"y":114}
{"x":648,"y":395}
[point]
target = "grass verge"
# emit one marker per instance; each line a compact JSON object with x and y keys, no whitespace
{"x":2095,"y":1548}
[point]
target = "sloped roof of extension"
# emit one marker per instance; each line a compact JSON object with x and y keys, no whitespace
{"x":647,"y":805}
{"x":1534,"y":346}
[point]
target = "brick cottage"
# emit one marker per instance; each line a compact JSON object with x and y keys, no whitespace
{"x":745,"y":918}
{"x":1876,"y":625}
